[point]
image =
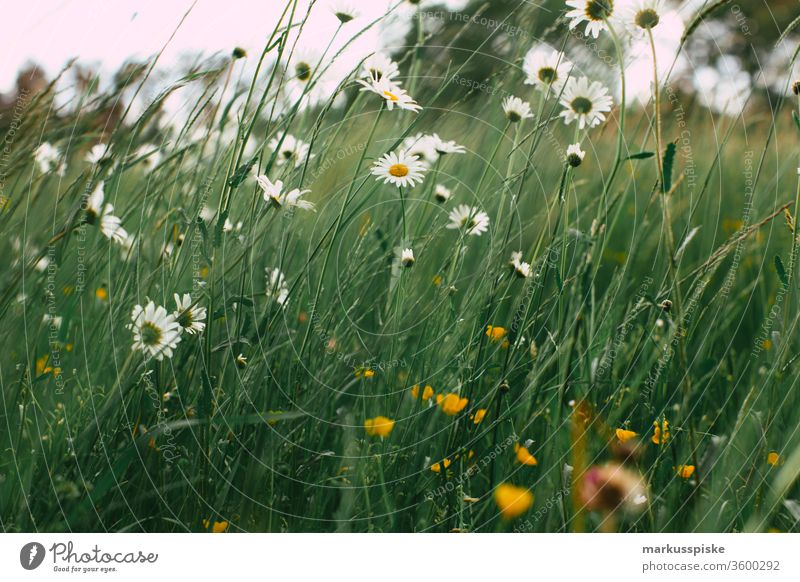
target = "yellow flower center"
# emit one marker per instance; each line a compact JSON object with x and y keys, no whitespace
{"x":398,"y":170}
{"x":390,"y":96}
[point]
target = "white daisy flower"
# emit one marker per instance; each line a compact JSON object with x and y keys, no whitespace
{"x":290,"y":150}
{"x":207,"y":213}
{"x":155,"y":332}
{"x":48,"y":157}
{"x":422,"y":146}
{"x":585,"y":101}
{"x":97,"y":153}
{"x":343,"y":10}
{"x":276,"y":286}
{"x":442,"y":193}
{"x":399,"y":168}
{"x":379,"y":67}
{"x":273,"y":192}
{"x":475,"y":221}
{"x":639,"y":16}
{"x":392,"y":94}
{"x":516,"y":109}
{"x":520,"y":267}
{"x":595,"y":13}
{"x":188,"y":317}
{"x":575,"y":155}
{"x":447,"y":147}
{"x":229,"y":226}
{"x":96,"y":211}
{"x":546,"y":68}
{"x":407,"y":257}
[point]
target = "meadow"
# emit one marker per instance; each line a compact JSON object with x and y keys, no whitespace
{"x":412,"y":298}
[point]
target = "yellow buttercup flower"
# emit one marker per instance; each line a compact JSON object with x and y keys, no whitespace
{"x":427,"y":392}
{"x":661,"y":433}
{"x":451,"y":404}
{"x":495,"y":333}
{"x":437,"y":467}
{"x":437,"y":280}
{"x":101,"y":293}
{"x":217,"y":526}
{"x":479,"y":415}
{"x":524,"y":457}
{"x":363,"y":372}
{"x":379,"y":426}
{"x":625,"y":435}
{"x":685,"y":471}
{"x":774,"y":459}
{"x":512,"y":501}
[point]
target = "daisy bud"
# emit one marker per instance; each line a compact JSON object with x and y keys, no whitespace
{"x":442,"y":193}
{"x":407,"y":257}
{"x":796,"y":87}
{"x":241,"y":361}
{"x":666,"y":305}
{"x":239,"y":53}
{"x":575,"y":155}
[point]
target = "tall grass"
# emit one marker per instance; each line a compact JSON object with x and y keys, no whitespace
{"x":663,"y":287}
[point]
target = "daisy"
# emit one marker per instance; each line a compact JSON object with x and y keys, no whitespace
{"x":155,"y":332}
{"x":407,"y":257}
{"x":273,"y":192}
{"x":97,"y":153}
{"x":276,"y":286}
{"x":516,"y":109}
{"x":289,"y":150}
{"x":476,"y":221}
{"x":188,"y":317}
{"x":442,"y":193}
{"x":594,"y":12}
{"x":443,"y":147}
{"x":520,"y":267}
{"x":575,"y":155}
{"x":379,"y":67}
{"x":49,"y":158}
{"x":96,"y":211}
{"x":641,"y":15}
{"x":546,"y":68}
{"x":343,"y":10}
{"x":585,"y":101}
{"x":422,"y":146}
{"x":392,"y":94}
{"x":399,"y":169}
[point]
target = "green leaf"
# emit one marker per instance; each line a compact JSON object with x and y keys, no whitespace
{"x":641,"y":156}
{"x":241,"y":173}
{"x":781,"y":271}
{"x":669,"y":163}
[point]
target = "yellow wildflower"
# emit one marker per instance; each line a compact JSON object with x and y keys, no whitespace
{"x":451,"y":404}
{"x":512,"y":501}
{"x":625,"y":435}
{"x":524,"y":457}
{"x":495,"y":333}
{"x":217,"y":526}
{"x":379,"y":426}
{"x":774,"y":459}
{"x":685,"y":471}
{"x":661,"y":433}
{"x":101,"y":293}
{"x":437,"y":467}
{"x":479,"y":415}
{"x":427,"y":392}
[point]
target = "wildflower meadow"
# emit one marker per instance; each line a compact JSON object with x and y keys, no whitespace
{"x":527,"y":267}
